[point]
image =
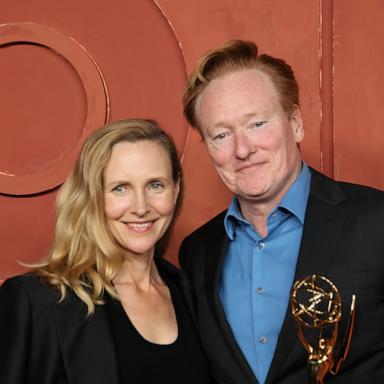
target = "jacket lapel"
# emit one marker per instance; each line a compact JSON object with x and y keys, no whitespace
{"x":87,"y":343}
{"x":214,"y":258}
{"x":324,"y":221}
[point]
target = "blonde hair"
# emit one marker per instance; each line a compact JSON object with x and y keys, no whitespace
{"x":84,"y":256}
{"x":237,"y":55}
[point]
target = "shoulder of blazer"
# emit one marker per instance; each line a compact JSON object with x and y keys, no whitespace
{"x":204,"y":249}
{"x":212,"y":229}
{"x":39,"y":295}
{"x":337,"y":192}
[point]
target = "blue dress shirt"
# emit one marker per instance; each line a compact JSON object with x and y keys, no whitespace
{"x":258,"y":273}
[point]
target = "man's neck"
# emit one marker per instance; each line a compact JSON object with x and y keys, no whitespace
{"x":257,"y":214}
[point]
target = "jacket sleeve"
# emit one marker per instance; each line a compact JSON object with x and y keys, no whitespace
{"x":15,"y":331}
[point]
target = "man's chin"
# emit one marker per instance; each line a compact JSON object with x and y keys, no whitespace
{"x":255,"y":195}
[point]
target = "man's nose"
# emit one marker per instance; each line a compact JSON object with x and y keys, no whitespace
{"x":243,"y":145}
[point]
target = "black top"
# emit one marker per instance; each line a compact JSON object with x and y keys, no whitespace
{"x":142,"y":362}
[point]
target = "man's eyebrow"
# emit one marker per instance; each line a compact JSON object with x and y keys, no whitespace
{"x":244,"y":118}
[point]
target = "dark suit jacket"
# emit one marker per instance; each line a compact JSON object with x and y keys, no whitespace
{"x":43,"y":341}
{"x":343,"y":239}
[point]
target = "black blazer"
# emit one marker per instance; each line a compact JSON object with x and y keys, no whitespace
{"x":343,"y":239}
{"x":43,"y":341}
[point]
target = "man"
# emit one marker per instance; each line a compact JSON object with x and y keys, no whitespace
{"x":285,"y":222}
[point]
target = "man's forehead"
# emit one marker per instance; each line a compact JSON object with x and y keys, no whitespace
{"x":242,"y":77}
{"x":242,"y":93}
{"x":239,"y":82}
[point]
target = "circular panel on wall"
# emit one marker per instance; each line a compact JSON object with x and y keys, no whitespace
{"x":52,"y":96}
{"x":140,"y":58}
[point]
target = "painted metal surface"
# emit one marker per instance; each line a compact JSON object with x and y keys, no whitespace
{"x":358,"y":92}
{"x":145,"y":48}
{"x":23,"y":175}
{"x":48,"y":99}
{"x":287,"y":29}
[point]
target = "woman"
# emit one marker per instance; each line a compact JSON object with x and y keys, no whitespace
{"x":105,"y":307}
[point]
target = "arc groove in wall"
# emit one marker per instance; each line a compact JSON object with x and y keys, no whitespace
{"x":326,"y":87}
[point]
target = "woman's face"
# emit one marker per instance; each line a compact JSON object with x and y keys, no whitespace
{"x":139,"y":195}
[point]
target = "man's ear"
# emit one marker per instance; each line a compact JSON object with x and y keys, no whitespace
{"x":297,"y":124}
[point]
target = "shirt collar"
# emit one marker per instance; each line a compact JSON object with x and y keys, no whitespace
{"x":296,"y":198}
{"x":294,"y":201}
{"x":232,"y":217}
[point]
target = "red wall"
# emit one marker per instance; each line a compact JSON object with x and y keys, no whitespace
{"x":66,"y":68}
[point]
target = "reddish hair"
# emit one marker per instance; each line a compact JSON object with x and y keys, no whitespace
{"x":236,"y":55}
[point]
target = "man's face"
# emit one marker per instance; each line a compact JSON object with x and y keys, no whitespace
{"x":250,"y":139}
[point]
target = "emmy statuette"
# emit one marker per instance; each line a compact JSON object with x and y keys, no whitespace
{"x":316,"y":308}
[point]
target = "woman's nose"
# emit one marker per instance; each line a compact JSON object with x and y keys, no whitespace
{"x":139,"y":203}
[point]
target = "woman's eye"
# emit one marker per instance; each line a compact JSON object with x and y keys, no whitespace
{"x":157,"y":187}
{"x":119,"y":189}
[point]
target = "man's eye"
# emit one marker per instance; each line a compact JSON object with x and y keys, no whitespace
{"x":220,"y":136}
{"x":258,"y":124}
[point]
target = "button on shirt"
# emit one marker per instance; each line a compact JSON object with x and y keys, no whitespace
{"x":258,"y":273}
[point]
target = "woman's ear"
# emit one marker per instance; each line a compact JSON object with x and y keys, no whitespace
{"x":177,"y":190}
